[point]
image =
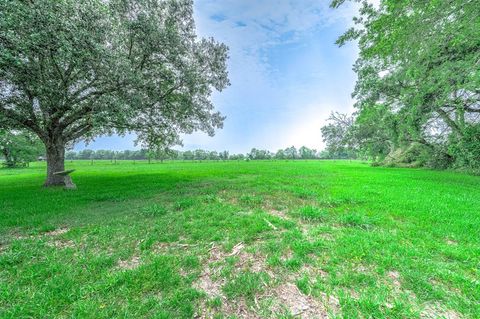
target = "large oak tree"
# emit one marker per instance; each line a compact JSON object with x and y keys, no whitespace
{"x":72,"y":70}
{"x":419,"y":61}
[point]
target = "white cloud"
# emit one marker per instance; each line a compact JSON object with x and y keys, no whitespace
{"x":251,"y":27}
{"x":286,"y":73}
{"x":288,"y":100}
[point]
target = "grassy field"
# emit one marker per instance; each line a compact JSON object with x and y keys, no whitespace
{"x":306,"y":239}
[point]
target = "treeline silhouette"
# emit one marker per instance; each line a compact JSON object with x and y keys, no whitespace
{"x":290,"y":153}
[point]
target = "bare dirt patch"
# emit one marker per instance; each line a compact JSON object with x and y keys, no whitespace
{"x":213,"y":288}
{"x":434,"y":311}
{"x":394,"y":276}
{"x":312,"y":271}
{"x":58,"y":232}
{"x":161,"y":248}
{"x":246,"y":261}
{"x":211,"y":282}
{"x":361,"y":269}
{"x":240,"y":309}
{"x":297,"y":304}
{"x":326,"y":236}
{"x":206,"y":282}
{"x":304,"y":227}
{"x":286,"y":298}
{"x":17,"y":235}
{"x":278,"y":213}
{"x":237,"y":309}
{"x":451,"y":242}
{"x":394,"y":282}
{"x":130,"y":264}
{"x":251,"y":262}
{"x":61,"y":244}
{"x":245,"y":213}
{"x":445,"y":286}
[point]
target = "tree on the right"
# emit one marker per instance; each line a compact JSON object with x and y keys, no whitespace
{"x":419,"y":72}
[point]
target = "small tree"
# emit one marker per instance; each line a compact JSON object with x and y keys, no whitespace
{"x":188,"y":155}
{"x":338,"y":135}
{"x":200,"y":155}
{"x":224,"y":155}
{"x":71,"y":70}
{"x":237,"y":157}
{"x":290,"y":153}
{"x":306,"y":153}
{"x":71,"y":155}
{"x":163,"y":153}
{"x":280,"y":154}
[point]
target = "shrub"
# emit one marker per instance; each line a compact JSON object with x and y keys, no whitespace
{"x":412,"y":155}
{"x":466,"y":150}
{"x":439,"y":158}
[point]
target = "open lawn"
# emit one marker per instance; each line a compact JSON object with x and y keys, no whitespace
{"x":308,"y":239}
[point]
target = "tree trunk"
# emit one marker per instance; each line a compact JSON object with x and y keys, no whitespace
{"x":8,"y":159}
{"x":55,"y":163}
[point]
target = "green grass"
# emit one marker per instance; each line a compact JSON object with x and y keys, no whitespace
{"x":178,"y":239}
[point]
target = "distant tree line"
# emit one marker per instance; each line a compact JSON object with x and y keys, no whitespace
{"x":290,"y":153}
{"x":19,"y":148}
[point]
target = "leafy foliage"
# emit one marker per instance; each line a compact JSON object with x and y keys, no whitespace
{"x":337,"y":135}
{"x":72,"y":70}
{"x":19,"y":148}
{"x":418,"y":77}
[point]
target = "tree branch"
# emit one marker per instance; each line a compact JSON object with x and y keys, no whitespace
{"x":22,"y":121}
{"x":78,"y":132}
{"x":472,"y":110}
{"x":444,"y":115}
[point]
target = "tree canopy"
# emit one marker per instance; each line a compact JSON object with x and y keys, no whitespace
{"x":419,"y":78}
{"x":72,"y":70}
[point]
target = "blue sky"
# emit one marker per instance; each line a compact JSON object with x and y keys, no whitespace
{"x":286,"y":72}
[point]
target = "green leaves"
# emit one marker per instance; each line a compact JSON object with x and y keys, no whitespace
{"x":71,"y":70}
{"x":419,"y":60}
{"x":19,"y":147}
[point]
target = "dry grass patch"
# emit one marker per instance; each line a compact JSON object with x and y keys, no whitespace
{"x":451,"y":242}
{"x":161,"y":248}
{"x":292,"y":301}
{"x":278,"y":213}
{"x":394,"y":276}
{"x":436,"y":311}
{"x":211,"y":282}
{"x":213,"y":288}
{"x":57,"y":232}
{"x":312,"y":271}
{"x":53,"y":233}
{"x":363,"y":269}
{"x":239,"y":310}
{"x":129,"y":264}
{"x":61,"y":244}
